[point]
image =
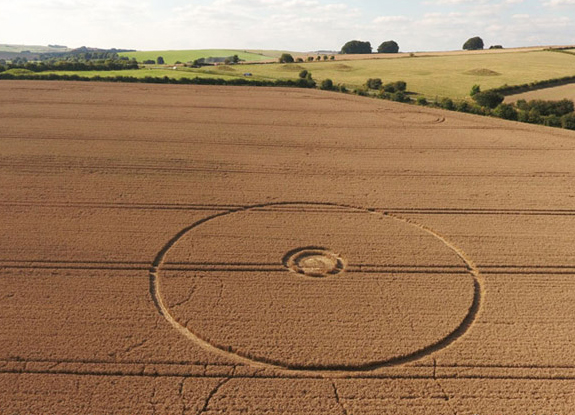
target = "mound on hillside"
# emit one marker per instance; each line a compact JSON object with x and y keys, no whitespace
{"x":225,"y":68}
{"x":342,"y":67}
{"x":482,"y":72}
{"x":292,"y":67}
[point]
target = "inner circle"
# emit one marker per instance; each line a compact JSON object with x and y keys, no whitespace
{"x":314,"y":262}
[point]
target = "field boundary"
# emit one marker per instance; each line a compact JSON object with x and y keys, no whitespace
{"x":298,"y":83}
{"x":507,"y":90}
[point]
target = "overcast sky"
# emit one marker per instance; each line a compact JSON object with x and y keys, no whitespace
{"x":298,"y":25}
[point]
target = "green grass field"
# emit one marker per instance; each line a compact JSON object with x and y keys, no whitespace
{"x":443,"y":76}
{"x":434,"y":76}
{"x":173,"y":56}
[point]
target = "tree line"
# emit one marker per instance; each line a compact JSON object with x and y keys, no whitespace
{"x":359,"y":47}
{"x":70,"y":65}
{"x":297,"y":83}
{"x":391,"y":46}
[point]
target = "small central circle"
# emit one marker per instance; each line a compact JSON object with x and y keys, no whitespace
{"x":314,"y":262}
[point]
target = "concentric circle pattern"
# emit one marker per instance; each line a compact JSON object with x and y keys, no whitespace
{"x":314,"y":262}
{"x":316,"y":287}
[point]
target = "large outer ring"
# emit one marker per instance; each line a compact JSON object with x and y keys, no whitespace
{"x":457,"y":333}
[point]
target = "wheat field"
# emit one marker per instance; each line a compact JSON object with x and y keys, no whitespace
{"x":178,"y":249}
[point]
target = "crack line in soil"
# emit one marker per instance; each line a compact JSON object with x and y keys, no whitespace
{"x":212,"y":394}
{"x":337,"y":398}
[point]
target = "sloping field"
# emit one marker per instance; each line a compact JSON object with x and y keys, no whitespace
{"x":172,"y":56}
{"x":448,"y":74}
{"x":553,"y":94}
{"x":205,"y":250}
{"x":444,"y":75}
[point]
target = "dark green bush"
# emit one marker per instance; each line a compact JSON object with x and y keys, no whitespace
{"x":389,"y":46}
{"x":552,"y":121}
{"x":568,"y":121}
{"x":545,"y":108}
{"x":395,"y":86}
{"x":373,"y":83}
{"x":356,"y":47}
{"x":400,"y":96}
{"x":462,"y":106}
{"x":489,"y":99}
{"x":505,"y":111}
{"x":474,"y":43}
{"x":447,"y":104}
{"x":326,"y":85}
{"x":286,"y":58}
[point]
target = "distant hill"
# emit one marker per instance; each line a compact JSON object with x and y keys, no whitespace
{"x":33,"y":48}
{"x":173,"y":56}
{"x":32,"y":52}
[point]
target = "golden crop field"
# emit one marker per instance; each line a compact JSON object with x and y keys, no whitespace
{"x":178,"y":249}
{"x":551,"y":94}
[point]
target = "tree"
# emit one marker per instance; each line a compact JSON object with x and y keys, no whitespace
{"x":400,"y":96}
{"x":149,"y":62}
{"x":356,"y":47}
{"x":474,"y":43}
{"x":490,"y":99}
{"x":447,"y":104}
{"x":505,"y":111}
{"x":373,"y":83}
{"x":389,"y":46}
{"x":304,"y":75}
{"x":160,"y":60}
{"x":546,"y":108}
{"x":475,"y":89}
{"x":326,"y":84}
{"x":235,"y":59}
{"x":568,"y":121}
{"x":286,"y":58}
{"x":395,"y":87}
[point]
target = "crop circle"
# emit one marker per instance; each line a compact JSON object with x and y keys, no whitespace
{"x":362,"y":289}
